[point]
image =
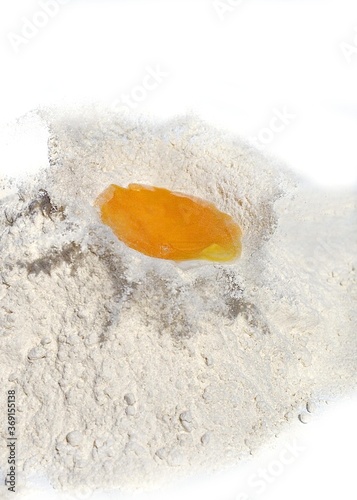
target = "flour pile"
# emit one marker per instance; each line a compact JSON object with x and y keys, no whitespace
{"x":130,"y":370}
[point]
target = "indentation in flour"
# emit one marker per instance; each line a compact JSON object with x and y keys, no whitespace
{"x":44,"y":204}
{"x":122,"y":288}
{"x":69,"y":254}
{"x":40,"y":203}
{"x":165,"y":305}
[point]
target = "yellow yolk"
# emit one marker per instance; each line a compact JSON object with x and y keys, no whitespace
{"x":168,"y":225}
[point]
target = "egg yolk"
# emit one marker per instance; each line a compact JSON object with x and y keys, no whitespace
{"x":169,"y":225}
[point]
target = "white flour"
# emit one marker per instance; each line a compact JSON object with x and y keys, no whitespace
{"x":129,"y":370}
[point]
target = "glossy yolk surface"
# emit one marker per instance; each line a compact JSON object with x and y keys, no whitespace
{"x":168,"y":225}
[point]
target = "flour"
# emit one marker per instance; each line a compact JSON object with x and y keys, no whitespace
{"x":130,"y":370}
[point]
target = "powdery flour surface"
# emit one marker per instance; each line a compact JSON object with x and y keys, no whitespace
{"x":130,"y":370}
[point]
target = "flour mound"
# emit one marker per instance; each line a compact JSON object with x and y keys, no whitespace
{"x":130,"y":370}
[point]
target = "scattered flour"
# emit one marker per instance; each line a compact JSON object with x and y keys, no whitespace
{"x":130,"y":370}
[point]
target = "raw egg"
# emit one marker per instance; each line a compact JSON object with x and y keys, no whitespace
{"x":169,"y":225}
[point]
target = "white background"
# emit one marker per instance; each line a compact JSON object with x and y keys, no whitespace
{"x":237,"y":64}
